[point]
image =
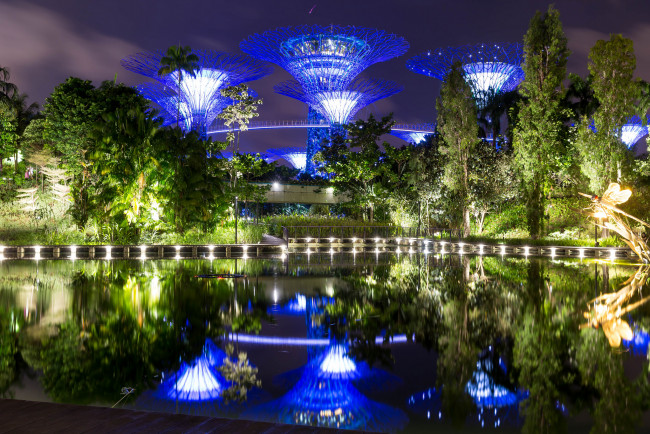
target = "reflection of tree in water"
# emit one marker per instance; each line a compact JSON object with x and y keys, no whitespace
{"x":130,"y":321}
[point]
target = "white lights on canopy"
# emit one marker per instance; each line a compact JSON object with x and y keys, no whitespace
{"x":296,"y":156}
{"x":196,"y":383}
{"x":632,"y":133}
{"x":338,"y":107}
{"x":484,"y":77}
{"x":337,"y":361}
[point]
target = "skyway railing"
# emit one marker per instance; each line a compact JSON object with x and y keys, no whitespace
{"x":268,"y":125}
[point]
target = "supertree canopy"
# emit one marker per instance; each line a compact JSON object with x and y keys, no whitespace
{"x":325,"y":63}
{"x":488,"y":68}
{"x":338,"y":106}
{"x":198,"y":98}
{"x":296,"y":156}
{"x":632,"y":131}
{"x":324,"y":58}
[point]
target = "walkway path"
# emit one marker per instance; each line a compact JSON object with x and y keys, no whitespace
{"x":41,"y":417}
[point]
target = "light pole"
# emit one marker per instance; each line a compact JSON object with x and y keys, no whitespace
{"x":600,"y":216}
{"x":236,"y":219}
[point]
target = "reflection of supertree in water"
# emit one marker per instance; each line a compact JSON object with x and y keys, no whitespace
{"x":325,"y":396}
{"x":488,"y":68}
{"x":200,"y":96}
{"x":325,"y":61}
{"x":495,"y":403}
{"x":198,"y":380}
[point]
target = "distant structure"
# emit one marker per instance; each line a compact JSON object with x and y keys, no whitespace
{"x":632,"y":131}
{"x":489,"y":68}
{"x":200,"y":96}
{"x":414,"y":137}
{"x":296,"y":156}
{"x":325,"y":62}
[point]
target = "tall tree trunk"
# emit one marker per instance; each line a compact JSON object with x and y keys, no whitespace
{"x":466,"y":222}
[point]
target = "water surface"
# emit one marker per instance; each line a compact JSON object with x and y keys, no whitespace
{"x":376,"y":342}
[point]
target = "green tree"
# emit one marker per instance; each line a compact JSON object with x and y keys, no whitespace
{"x":458,"y":127}
{"x":355,"y":169}
{"x":7,"y":89}
{"x":122,"y":161}
{"x":537,"y":136}
{"x":237,"y":116}
{"x":179,"y":60}
{"x":602,"y":153}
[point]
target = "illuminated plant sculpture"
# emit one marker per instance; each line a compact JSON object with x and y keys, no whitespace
{"x":488,"y":68}
{"x":197,"y":99}
{"x":607,"y":310}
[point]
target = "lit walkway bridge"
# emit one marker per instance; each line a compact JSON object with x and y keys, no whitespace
{"x":409,"y":132}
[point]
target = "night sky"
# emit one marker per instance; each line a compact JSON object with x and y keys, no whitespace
{"x":44,"y":42}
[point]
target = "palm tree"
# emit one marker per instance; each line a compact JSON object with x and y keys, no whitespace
{"x":179,"y":59}
{"x":7,"y":89}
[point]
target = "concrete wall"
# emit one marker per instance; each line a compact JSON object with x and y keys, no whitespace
{"x":307,"y":194}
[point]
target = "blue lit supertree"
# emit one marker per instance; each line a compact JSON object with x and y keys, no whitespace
{"x":632,"y":131}
{"x":315,"y":137}
{"x":296,"y":156}
{"x":199,"y":98}
{"x":338,"y":106}
{"x":325,"y":61}
{"x":488,"y":68}
{"x":324,"y":58}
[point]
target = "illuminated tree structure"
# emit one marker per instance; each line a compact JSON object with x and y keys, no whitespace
{"x":199,"y":96}
{"x":339,"y":106}
{"x":325,"y":62}
{"x":414,"y":137}
{"x":631,"y":132}
{"x":296,"y":156}
{"x":316,"y":136}
{"x":489,"y":68}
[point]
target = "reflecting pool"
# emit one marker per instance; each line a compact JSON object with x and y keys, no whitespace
{"x":384,"y":342}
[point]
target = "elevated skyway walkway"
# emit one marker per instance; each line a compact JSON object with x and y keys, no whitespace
{"x":282,"y":124}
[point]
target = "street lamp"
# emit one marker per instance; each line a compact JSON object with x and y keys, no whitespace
{"x":599,"y":216}
{"x":236,"y":219}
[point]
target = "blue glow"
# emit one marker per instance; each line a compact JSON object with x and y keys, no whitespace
{"x":632,"y":131}
{"x":639,"y":343}
{"x":296,"y":156}
{"x":199,"y":97}
{"x":339,"y":106}
{"x":322,"y":397}
{"x":488,"y":68}
{"x":324,"y":58}
{"x":198,"y":380}
{"x":413,"y":137}
{"x":337,"y":361}
{"x":486,"y":393}
{"x":288,"y":341}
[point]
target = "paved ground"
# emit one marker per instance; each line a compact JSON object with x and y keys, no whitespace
{"x":269,"y":239}
{"x":40,"y":417}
